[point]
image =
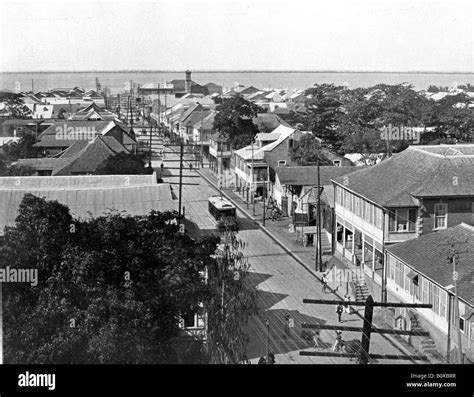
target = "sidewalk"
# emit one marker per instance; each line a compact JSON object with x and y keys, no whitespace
{"x":279,"y":231}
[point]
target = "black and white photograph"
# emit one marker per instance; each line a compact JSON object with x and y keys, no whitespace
{"x":200,"y":185}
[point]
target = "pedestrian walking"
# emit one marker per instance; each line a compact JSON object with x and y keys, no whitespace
{"x":287,"y":325}
{"x":338,"y":344}
{"x":339,"y":310}
{"x":324,"y":280}
{"x":347,"y":307}
{"x":318,"y":343}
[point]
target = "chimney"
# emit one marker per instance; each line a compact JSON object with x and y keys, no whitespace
{"x":187,"y":83}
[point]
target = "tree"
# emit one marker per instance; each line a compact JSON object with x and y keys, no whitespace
{"x":22,"y":149}
{"x":124,"y":164}
{"x":110,"y":289}
{"x":15,"y":105}
{"x":308,"y":150}
{"x":454,"y":119}
{"x":232,"y":300}
{"x":324,"y":108}
{"x":234,"y":121}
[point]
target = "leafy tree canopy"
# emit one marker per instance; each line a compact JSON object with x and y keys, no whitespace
{"x":234,"y":120}
{"x":124,"y":164}
{"x":110,"y":289}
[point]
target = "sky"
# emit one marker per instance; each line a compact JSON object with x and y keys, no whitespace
{"x":355,"y":35}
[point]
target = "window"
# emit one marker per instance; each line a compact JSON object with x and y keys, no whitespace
{"x":357,"y":205}
{"x":462,"y":324}
{"x":402,"y":220}
{"x":378,"y":218}
{"x":435,"y":299}
{"x":442,"y":303}
{"x":399,"y":274}
{"x":425,"y":291}
{"x":337,"y":163}
{"x":281,"y":162}
{"x":440,"y":216}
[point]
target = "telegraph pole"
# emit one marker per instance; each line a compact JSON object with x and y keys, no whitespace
{"x":180,"y":177}
{"x":151,"y":131}
{"x":318,"y":245}
{"x":1,"y":324}
{"x":363,"y":354}
{"x":251,"y":181}
{"x":454,"y":256}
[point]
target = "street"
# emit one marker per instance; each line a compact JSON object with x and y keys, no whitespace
{"x":282,"y":284}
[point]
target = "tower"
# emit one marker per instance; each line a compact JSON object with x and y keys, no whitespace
{"x":187,"y":83}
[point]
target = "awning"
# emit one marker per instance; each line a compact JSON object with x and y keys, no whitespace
{"x":411,"y":274}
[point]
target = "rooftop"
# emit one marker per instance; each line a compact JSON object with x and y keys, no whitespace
{"x":428,"y":253}
{"x":418,"y":171}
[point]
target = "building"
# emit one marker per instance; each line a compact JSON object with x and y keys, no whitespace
{"x":220,"y":153}
{"x":294,"y":190}
{"x":418,"y":271}
{"x":187,"y":86}
{"x":87,"y":196}
{"x":422,"y":190}
{"x":62,"y":134}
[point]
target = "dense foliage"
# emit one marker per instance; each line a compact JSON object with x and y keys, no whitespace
{"x":110,"y":289}
{"x":234,"y":121}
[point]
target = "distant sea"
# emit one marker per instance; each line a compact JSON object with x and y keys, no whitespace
{"x":116,"y":81}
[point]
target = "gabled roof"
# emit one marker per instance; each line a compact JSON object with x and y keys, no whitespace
{"x":86,"y":156}
{"x":193,"y":108}
{"x":48,"y":137}
{"x":249,"y":90}
{"x":419,"y":171}
{"x":207,"y":123}
{"x":259,"y":153}
{"x":196,"y":117}
{"x":308,"y":175}
{"x":428,"y":253}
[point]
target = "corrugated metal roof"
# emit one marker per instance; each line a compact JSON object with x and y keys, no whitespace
{"x":87,"y":196}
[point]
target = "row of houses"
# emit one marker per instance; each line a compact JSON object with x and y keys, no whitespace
{"x":398,"y":221}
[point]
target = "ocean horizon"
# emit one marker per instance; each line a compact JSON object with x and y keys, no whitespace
{"x":117,"y":80}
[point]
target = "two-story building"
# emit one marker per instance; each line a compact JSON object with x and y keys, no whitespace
{"x":251,"y":169}
{"x":421,"y":271}
{"x":419,"y":191}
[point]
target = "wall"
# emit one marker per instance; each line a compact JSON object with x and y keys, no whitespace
{"x":459,"y":211}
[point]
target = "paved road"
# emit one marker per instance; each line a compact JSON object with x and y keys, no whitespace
{"x":281,"y":283}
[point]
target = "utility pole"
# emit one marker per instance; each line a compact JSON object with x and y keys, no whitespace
{"x":319,"y":260}
{"x":251,"y":181}
{"x":1,"y":324}
{"x":363,"y":355}
{"x":453,"y":257}
{"x":151,"y":131}
{"x":180,"y":177}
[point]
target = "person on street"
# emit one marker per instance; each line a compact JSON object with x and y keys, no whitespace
{"x":324,"y":280}
{"x":347,"y":307}
{"x":318,"y":343}
{"x":287,"y":325}
{"x":339,"y":310}
{"x":339,"y":342}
